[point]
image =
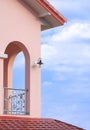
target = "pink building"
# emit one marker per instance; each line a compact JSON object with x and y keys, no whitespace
{"x":20,"y":26}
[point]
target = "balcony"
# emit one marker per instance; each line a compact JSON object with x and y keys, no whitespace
{"x":15,"y":101}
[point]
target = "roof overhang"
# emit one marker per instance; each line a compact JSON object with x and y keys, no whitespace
{"x":47,"y":14}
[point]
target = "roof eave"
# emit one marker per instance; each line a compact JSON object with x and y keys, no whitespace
{"x":59,"y":17}
{"x":46,"y":13}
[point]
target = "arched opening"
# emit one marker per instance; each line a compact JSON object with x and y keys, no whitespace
{"x":19,"y":71}
{"x":16,"y":99}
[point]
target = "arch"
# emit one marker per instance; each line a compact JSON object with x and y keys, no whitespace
{"x":12,"y":50}
{"x":18,"y":71}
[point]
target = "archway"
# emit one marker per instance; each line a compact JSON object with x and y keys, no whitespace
{"x":19,"y":71}
{"x":13,"y":49}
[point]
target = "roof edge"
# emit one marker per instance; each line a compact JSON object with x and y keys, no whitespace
{"x":69,"y":124}
{"x":18,"y":117}
{"x":27,"y":118}
{"x":52,"y":11}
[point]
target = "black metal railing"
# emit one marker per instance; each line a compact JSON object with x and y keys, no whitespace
{"x":15,"y":101}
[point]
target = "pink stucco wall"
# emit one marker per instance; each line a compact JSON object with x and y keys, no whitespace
{"x":19,"y":23}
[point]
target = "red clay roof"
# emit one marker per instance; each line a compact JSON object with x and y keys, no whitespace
{"x":24,"y":123}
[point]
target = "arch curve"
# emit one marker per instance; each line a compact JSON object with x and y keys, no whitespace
{"x":12,"y":49}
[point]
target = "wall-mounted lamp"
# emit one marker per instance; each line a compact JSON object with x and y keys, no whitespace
{"x":38,"y":62}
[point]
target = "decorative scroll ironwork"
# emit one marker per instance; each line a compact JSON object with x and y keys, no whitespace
{"x":14,"y":101}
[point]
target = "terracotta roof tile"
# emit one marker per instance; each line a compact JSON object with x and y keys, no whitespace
{"x":24,"y":123}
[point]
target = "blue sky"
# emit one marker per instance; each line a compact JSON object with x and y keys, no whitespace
{"x":66,"y":71}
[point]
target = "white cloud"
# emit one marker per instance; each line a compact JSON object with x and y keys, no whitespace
{"x":72,"y":31}
{"x":76,"y":6}
{"x":64,"y":49}
{"x":66,"y":53}
{"x":47,"y":84}
{"x":19,"y":61}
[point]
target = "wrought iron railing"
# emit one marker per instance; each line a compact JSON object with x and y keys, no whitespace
{"x":15,"y":101}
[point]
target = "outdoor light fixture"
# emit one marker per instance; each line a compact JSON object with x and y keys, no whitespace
{"x":38,"y":62}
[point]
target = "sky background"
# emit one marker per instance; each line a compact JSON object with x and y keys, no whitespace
{"x":65,"y":52}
